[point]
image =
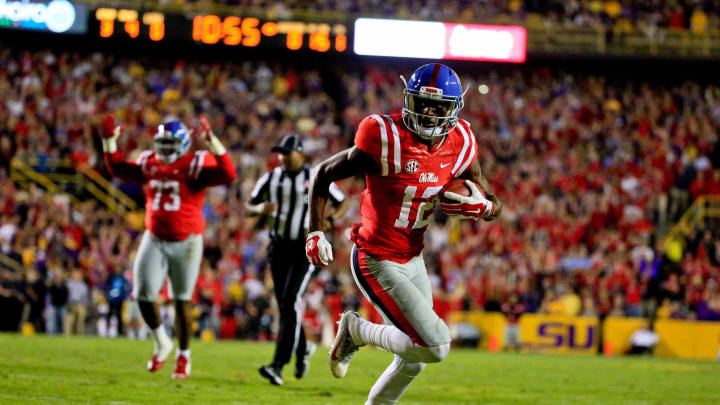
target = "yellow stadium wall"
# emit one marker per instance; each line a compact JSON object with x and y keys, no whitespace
{"x":488,"y":323}
{"x":687,"y":340}
{"x":565,"y":334}
{"x":617,"y":332}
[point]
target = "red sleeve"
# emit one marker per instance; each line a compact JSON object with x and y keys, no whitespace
{"x":214,"y":170}
{"x":468,"y":152}
{"x":367,"y":138}
{"x":124,"y":169}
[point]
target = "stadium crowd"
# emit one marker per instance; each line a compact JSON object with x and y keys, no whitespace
{"x":697,"y":16}
{"x":590,"y":170}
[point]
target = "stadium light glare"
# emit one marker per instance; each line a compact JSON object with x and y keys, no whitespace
{"x":439,"y":40}
{"x":410,"y":39}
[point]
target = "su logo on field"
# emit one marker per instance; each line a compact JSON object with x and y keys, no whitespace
{"x":558,"y":333}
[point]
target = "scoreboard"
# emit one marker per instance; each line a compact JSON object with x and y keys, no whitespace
{"x":251,"y":32}
{"x":126,"y":22}
{"x":362,"y":36}
{"x":211,"y":29}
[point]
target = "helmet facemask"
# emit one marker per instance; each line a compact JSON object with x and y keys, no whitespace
{"x":428,"y":113}
{"x":171,"y":144}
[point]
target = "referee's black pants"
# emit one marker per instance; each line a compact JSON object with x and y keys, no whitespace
{"x":290,"y":274}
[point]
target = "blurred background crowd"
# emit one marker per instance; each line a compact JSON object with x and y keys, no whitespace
{"x":696,"y":16}
{"x":592,"y":169}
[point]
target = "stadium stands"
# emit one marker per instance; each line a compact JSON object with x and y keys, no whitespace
{"x":697,"y":16}
{"x":592,"y":171}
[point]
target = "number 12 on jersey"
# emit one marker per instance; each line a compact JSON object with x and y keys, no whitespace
{"x":427,"y":203}
{"x":171,"y":185}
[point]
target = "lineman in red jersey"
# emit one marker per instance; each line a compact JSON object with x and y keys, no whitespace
{"x":174,"y":184}
{"x":407,"y":159}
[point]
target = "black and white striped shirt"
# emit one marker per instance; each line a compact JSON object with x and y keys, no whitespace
{"x":290,"y":192}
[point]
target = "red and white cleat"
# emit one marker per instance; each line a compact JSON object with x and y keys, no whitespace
{"x":154,"y":364}
{"x":182,"y":367}
{"x":343,"y":348}
{"x":162,"y":352}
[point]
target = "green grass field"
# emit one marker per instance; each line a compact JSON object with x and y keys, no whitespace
{"x":57,"y":370}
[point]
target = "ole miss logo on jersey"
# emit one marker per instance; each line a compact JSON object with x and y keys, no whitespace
{"x":428,"y":178}
{"x":400,"y":198}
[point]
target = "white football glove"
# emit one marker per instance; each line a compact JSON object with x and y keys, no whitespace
{"x":317,"y":249}
{"x":213,"y":143}
{"x":475,"y":206}
{"x":110,"y":134}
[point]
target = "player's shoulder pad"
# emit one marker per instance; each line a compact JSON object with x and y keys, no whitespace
{"x":367,"y":137}
{"x":369,"y":127}
{"x":379,"y":136}
{"x":375,"y":133}
{"x":143,"y":158}
{"x":466,"y":147}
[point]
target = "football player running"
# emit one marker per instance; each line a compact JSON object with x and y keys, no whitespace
{"x":174,"y":183}
{"x":407,"y":159}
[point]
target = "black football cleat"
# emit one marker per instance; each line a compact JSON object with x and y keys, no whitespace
{"x":271,"y":373}
{"x":302,"y":364}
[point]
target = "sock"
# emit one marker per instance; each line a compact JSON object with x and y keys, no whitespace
{"x":388,"y":337}
{"x":393,"y":383}
{"x":185,"y":353}
{"x":160,"y":338}
{"x":394,"y":340}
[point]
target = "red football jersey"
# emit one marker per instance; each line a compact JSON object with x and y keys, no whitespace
{"x":398,"y":200}
{"x":174,"y":192}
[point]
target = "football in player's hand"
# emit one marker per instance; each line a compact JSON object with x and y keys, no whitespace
{"x":457,"y":186}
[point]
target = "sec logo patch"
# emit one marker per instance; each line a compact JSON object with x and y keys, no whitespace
{"x":412,"y":166}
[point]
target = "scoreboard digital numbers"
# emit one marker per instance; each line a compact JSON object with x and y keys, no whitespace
{"x":251,"y":32}
{"x":128,"y":20}
{"x":210,"y":29}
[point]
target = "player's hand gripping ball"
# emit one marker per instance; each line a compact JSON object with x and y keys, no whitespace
{"x":463,"y":199}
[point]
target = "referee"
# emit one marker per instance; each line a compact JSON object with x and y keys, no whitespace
{"x":283,"y":194}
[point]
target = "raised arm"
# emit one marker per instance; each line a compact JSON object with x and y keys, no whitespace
{"x":222,"y":173}
{"x":116,"y":164}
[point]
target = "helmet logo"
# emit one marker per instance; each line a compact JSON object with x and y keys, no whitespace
{"x":431,"y":91}
{"x":412,"y":166}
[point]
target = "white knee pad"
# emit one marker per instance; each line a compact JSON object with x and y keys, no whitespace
{"x":424,"y":354}
{"x":436,"y":354}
